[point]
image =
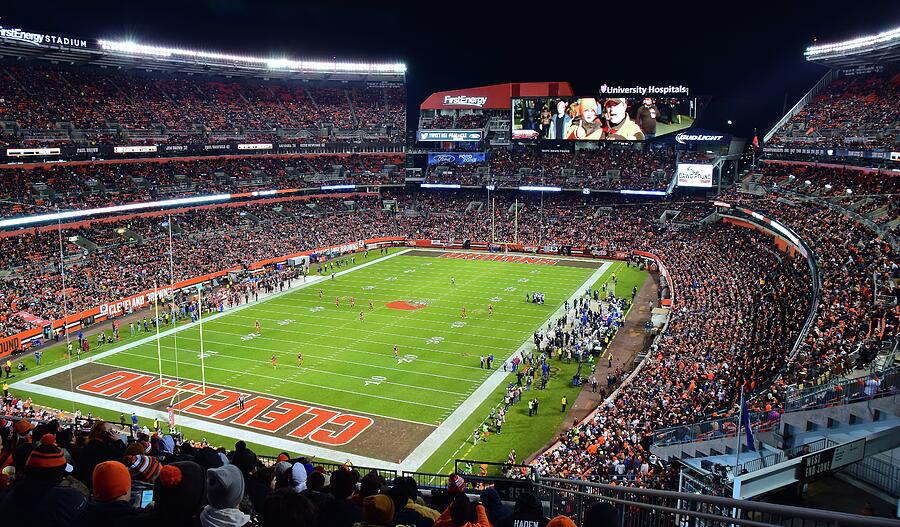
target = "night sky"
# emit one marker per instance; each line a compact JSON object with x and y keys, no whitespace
{"x":746,"y":55}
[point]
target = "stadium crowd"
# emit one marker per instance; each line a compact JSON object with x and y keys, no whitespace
{"x":40,"y":97}
{"x":600,"y":169}
{"x":858,"y":111}
{"x":695,"y":372}
{"x":58,"y":474}
{"x":96,"y":184}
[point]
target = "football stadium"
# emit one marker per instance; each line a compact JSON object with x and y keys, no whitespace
{"x":246,"y":282}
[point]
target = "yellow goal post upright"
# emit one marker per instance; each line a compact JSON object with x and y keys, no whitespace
{"x":157,"y":300}
{"x":494,"y":240}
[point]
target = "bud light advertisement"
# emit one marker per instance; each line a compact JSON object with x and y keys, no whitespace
{"x":455,"y":158}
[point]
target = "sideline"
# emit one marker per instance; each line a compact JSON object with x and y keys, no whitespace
{"x":442,"y":433}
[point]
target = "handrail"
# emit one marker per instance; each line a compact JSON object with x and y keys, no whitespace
{"x":731,"y":506}
{"x":826,"y":79}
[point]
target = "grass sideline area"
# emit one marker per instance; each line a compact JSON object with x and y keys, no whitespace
{"x":520,"y":432}
{"x":348,"y":361}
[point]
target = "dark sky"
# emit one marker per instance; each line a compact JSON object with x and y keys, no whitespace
{"x":747,"y":55}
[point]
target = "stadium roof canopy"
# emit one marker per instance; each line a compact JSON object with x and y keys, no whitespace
{"x":493,"y":97}
{"x":863,"y":51}
{"x":25,"y":44}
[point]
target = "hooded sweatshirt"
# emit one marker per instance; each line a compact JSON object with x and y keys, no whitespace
{"x":494,"y":507}
{"x":298,"y":477}
{"x":211,"y":517}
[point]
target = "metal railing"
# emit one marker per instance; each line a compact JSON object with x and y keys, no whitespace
{"x":847,"y":391}
{"x":774,"y":458}
{"x":721,"y":428}
{"x":819,"y":86}
{"x":637,"y":507}
{"x":877,"y":472}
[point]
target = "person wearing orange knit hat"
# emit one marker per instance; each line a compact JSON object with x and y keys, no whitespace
{"x":587,"y":125}
{"x":39,"y":494}
{"x":110,"y":502}
{"x":561,"y":521}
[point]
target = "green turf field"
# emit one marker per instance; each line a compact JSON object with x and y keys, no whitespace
{"x":438,"y":364}
{"x":348,"y":363}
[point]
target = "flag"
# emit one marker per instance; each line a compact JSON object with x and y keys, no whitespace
{"x":745,"y":422}
{"x":755,"y":142}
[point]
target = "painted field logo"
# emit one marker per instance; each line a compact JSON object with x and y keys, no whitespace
{"x":404,"y":305}
{"x":260,"y":413}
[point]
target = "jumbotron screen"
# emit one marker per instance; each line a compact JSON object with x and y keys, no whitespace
{"x":599,"y":119}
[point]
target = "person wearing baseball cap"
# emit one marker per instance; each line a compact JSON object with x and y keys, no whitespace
{"x":38,"y":495}
{"x":646,"y":117}
{"x":586,"y":126}
{"x":619,"y":125}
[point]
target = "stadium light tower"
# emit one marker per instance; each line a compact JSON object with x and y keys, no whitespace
{"x":854,"y":46}
{"x":130,"y":47}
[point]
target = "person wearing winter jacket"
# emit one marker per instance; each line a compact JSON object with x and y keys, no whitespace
{"x":461,"y":513}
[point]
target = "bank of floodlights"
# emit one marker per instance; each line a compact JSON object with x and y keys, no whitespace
{"x":853,"y":46}
{"x":282,"y":64}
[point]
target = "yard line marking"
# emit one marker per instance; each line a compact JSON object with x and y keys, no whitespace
{"x":226,"y":355}
{"x":337,"y":348}
{"x":209,"y":318}
{"x":444,"y":325}
{"x":281,"y":380}
{"x":269,"y":377}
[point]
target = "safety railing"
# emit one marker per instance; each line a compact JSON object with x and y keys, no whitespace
{"x":872,"y":386}
{"x":638,"y":507}
{"x":713,"y":429}
{"x":877,"y":472}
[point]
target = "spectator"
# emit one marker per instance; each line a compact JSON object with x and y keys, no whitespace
{"x":528,"y":511}
{"x":493,"y":506}
{"x":103,"y":444}
{"x":225,"y":491}
{"x":179,"y":494}
{"x":38,"y":495}
{"x":110,"y":502}
{"x":341,"y":509}
{"x":284,"y":507}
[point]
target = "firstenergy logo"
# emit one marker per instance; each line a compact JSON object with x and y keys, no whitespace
{"x":465,"y":100}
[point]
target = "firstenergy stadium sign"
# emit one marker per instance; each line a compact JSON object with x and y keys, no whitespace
{"x":40,"y":39}
{"x":465,"y":100}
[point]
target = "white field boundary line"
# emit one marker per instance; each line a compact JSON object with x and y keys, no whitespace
{"x":28,"y":384}
{"x":449,"y":426}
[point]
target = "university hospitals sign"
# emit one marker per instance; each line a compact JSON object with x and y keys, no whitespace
{"x":40,"y":39}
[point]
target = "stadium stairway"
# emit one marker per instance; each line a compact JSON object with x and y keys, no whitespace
{"x":873,"y":423}
{"x":796,"y":428}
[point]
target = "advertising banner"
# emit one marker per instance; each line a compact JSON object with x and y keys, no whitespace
{"x":841,"y":152}
{"x":450,"y":135}
{"x":455,"y":158}
{"x":694,"y":175}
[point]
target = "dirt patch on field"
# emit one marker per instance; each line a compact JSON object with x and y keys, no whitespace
{"x":309,"y":423}
{"x":403,"y":305}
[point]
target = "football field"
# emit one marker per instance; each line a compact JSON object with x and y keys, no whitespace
{"x":353,"y":397}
